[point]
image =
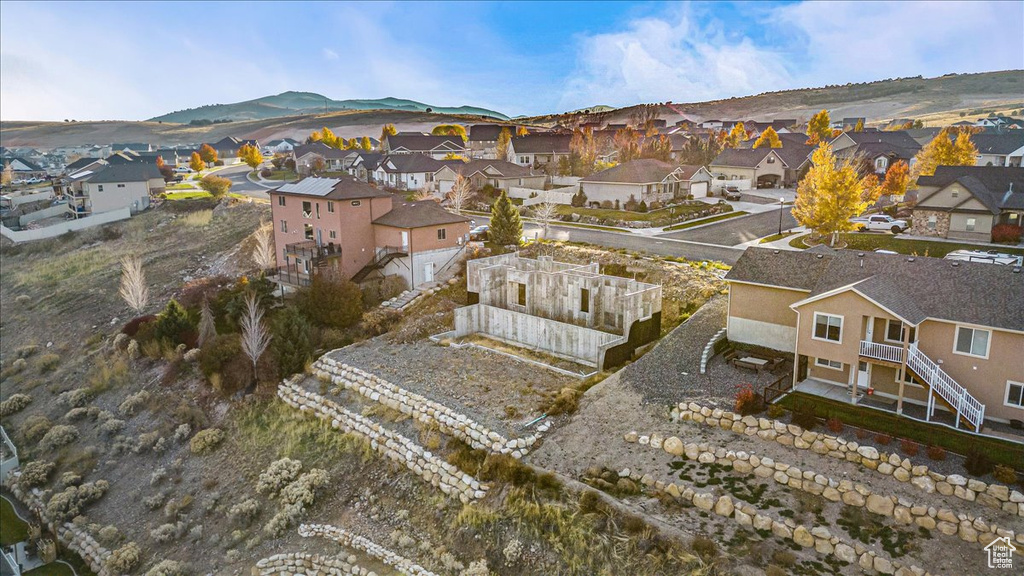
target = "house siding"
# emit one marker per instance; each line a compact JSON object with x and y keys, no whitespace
{"x":761,"y":315}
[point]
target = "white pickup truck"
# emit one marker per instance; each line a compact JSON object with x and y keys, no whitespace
{"x":880,"y":222}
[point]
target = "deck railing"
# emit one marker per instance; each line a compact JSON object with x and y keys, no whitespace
{"x":886,"y":352}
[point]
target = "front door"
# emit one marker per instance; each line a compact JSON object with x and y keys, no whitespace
{"x":428,"y":272}
{"x":869,"y":329}
{"x":863,"y":375}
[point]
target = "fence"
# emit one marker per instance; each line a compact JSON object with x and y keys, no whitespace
{"x":26,"y":198}
{"x":18,"y":236}
{"x":565,"y":180}
{"x":57,"y":210}
{"x":555,"y":196}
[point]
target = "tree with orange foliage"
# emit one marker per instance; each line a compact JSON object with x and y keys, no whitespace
{"x":208,"y":154}
{"x":897,"y":179}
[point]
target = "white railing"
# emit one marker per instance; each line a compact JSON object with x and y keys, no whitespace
{"x":946,"y":387}
{"x":886,"y":352}
{"x":966,"y":406}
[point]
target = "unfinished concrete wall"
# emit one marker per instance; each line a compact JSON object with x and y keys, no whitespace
{"x":576,"y":343}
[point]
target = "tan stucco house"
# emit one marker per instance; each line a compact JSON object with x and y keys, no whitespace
{"x":939,"y":334}
{"x":646,"y":179}
{"x":966,"y":202}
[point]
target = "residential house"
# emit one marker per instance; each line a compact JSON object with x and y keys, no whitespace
{"x":999,"y":148}
{"x":539,"y":150}
{"x":131,"y":147}
{"x":364,"y":164}
{"x":878,"y":149}
{"x":122,"y":157}
{"x":483,"y":139}
{"x":307,"y":155}
{"x":436,"y":147}
{"x":23,"y":168}
{"x":567,"y":310}
{"x":646,"y":180}
{"x":104,"y":188}
{"x":351,"y":230}
{"x":966,"y":202}
{"x":281,"y":145}
{"x":848,"y":123}
{"x":498,"y":173}
{"x":888,"y":330}
{"x":762,"y":167}
{"x":1004,"y":122}
{"x":227,"y":148}
{"x":409,"y":171}
{"x":92,"y":164}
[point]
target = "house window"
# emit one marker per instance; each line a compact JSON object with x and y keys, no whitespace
{"x":308,"y":231}
{"x":330,"y":206}
{"x":771,"y":159}
{"x":307,"y":209}
{"x":1015,"y":394}
{"x":932,"y":220}
{"x":99,"y":188}
{"x":356,"y":202}
{"x":522,"y":294}
{"x":280,"y":200}
{"x":828,"y":327}
{"x":894,"y":331}
{"x":954,"y":193}
{"x":317,"y":210}
{"x":972,"y":341}
{"x":442,"y":233}
{"x":880,"y":164}
{"x":1013,"y":217}
{"x":825,"y":363}
{"x":971,"y":222}
{"x":333,"y":234}
{"x":585,"y":300}
{"x":120,"y":185}
{"x":284,"y":226}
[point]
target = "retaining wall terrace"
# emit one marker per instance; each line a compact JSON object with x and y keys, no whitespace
{"x":347,"y":539}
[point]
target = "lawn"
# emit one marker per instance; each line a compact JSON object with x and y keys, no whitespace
{"x":775,"y":237}
{"x":14,"y":529}
{"x":693,"y":223}
{"x":1000,"y":452}
{"x":283,"y":175}
{"x":53,"y":569}
{"x":670,"y":213}
{"x":872,"y":241}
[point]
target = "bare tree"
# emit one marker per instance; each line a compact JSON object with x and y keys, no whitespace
{"x":207,"y":326}
{"x":255,"y":336}
{"x":545,"y":213}
{"x":459,"y":194}
{"x":263,"y":252}
{"x":133,"y":284}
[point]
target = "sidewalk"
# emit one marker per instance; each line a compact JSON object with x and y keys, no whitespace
{"x":782,"y":244}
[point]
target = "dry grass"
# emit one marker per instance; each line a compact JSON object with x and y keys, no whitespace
{"x":197,"y":219}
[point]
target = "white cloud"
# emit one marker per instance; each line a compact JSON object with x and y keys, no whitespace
{"x":330,"y":54}
{"x":682,"y":58}
{"x":669,"y":59}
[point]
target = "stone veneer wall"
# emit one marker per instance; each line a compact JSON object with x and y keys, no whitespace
{"x":422,"y":409}
{"x":389,"y":443}
{"x":347,"y":539}
{"x":967,"y":527}
{"x":919,"y":223}
{"x":301,"y":563}
{"x":74,"y":538}
{"x":991,"y":495}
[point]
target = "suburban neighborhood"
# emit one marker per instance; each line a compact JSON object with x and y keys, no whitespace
{"x":761,"y":332}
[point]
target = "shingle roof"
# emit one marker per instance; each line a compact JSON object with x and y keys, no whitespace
{"x":643,"y":171}
{"x":894,"y":137}
{"x":29,"y":166}
{"x":997,"y":187}
{"x":345,"y":188}
{"x":542,"y":143}
{"x":487,"y":132}
{"x":745,"y":157}
{"x":502,"y":168}
{"x":79,"y":164}
{"x":914,"y":288}
{"x":422,"y":142}
{"x":409,"y":163}
{"x":320,"y":149}
{"x":876,"y":149}
{"x":133,"y":172}
{"x":999,"y":143}
{"x":418,"y":215}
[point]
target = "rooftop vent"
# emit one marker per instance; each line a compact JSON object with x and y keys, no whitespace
{"x":820,"y":256}
{"x":955,"y":264}
{"x":860,"y":254}
{"x":775,"y":251}
{"x":1016,"y":270}
{"x":911,"y":259}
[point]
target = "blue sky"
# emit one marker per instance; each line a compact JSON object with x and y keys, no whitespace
{"x":92,"y":61}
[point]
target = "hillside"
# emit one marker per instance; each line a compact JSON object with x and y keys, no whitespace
{"x":934,"y":100}
{"x":301,"y":103}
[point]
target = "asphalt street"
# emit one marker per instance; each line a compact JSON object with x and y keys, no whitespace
{"x":240,"y":184}
{"x":737,"y":230}
{"x":634,"y":242}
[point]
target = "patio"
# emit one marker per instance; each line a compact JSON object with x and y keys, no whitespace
{"x":940,"y":416}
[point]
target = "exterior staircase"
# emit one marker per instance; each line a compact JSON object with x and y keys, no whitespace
{"x":964,"y":405}
{"x":381,"y":258}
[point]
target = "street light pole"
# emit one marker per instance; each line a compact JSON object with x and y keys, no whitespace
{"x":782,"y":205}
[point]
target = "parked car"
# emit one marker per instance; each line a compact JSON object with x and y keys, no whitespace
{"x":182,"y":169}
{"x":732,"y":193}
{"x":479,"y":233}
{"x":880,"y":222}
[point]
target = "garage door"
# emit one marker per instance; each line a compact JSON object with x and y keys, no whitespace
{"x":699,"y":189}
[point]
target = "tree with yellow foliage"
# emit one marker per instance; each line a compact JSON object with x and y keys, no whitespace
{"x":950,"y":147}
{"x":859,"y":127}
{"x":819,"y":129}
{"x":831,"y":193}
{"x":737,"y":135}
{"x":365,"y":144}
{"x":504,"y":139}
{"x":768,"y":138}
{"x":522,"y":131}
{"x":197,"y":163}
{"x":250,"y":155}
{"x":450,"y":130}
{"x":387,"y":130}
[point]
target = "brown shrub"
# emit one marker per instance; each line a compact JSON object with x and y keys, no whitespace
{"x":935,"y":453}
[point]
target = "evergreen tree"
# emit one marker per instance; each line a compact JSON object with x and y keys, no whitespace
{"x":173,"y":324}
{"x":506,"y":226}
{"x":293,"y":341}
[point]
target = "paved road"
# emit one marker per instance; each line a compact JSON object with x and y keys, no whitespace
{"x":633,"y":242}
{"x":240,"y":184}
{"x":737,"y":230}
